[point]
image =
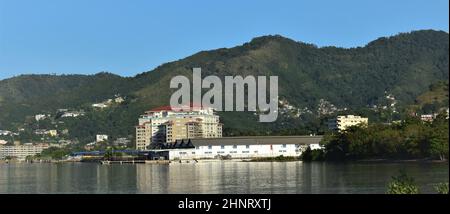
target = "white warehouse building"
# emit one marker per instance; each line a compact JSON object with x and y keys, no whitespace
{"x":236,"y":147}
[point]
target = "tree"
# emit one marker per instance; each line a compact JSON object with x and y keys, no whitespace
{"x":55,"y":153}
{"x":313,"y":155}
{"x":402,"y":184}
{"x":307,"y":155}
{"x":108,"y":154}
{"x":441,"y":188}
{"x":439,"y":138}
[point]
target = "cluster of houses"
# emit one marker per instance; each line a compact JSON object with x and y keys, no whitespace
{"x":102,"y":138}
{"x":39,"y":117}
{"x":51,"y":133}
{"x":8,"y":133}
{"x":107,"y":103}
{"x":66,"y":113}
{"x":5,"y":133}
{"x":431,"y":117}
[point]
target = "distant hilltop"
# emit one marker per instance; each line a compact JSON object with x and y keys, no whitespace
{"x":314,"y":83}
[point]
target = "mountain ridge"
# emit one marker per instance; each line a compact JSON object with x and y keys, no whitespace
{"x":270,"y":36}
{"x":404,"y":65}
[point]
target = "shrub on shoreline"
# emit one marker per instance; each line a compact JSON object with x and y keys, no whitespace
{"x":402,"y":184}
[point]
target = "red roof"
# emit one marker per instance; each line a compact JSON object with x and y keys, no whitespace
{"x":169,"y":108}
{"x":162,"y":108}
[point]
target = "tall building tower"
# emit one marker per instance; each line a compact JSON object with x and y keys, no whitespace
{"x":166,"y":125}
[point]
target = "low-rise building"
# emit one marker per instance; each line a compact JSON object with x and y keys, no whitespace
{"x":101,"y":138}
{"x":427,"y":117}
{"x":100,"y":105}
{"x":40,"y":117}
{"x":52,"y":133}
{"x":119,"y":100}
{"x":235,"y":147}
{"x":341,"y":123}
{"x":40,"y":132}
{"x":21,"y":151}
{"x":121,"y":142}
{"x":72,"y":114}
{"x":90,"y":146}
{"x":5,"y":132}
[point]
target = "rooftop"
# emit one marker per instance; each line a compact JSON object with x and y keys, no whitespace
{"x":244,"y":140}
{"x":169,"y":108}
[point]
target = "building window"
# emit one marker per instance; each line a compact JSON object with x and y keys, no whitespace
{"x":247,"y":146}
{"x":234,"y":146}
{"x":284,"y":145}
{"x":209,"y":147}
{"x":222,"y":147}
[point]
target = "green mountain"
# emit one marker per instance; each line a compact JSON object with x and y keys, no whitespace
{"x":318,"y":82}
{"x":434,"y":100}
{"x":437,"y":93}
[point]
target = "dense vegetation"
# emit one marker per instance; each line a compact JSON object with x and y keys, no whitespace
{"x":404,"y":65}
{"x":410,"y":139}
{"x":432,"y":100}
{"x":404,"y":184}
{"x":313,"y":155}
{"x":53,"y":153}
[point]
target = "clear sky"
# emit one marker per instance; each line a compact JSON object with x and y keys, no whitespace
{"x":130,"y":37}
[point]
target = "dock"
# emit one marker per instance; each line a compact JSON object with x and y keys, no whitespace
{"x":157,"y":162}
{"x":123,"y":162}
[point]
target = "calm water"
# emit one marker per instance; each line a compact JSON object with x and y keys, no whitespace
{"x":215,"y":177}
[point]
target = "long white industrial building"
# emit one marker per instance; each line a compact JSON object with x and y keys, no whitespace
{"x":236,"y":147}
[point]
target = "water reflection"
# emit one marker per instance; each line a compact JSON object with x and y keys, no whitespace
{"x":227,"y":177}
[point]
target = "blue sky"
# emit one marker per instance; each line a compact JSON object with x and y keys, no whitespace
{"x":130,"y":37}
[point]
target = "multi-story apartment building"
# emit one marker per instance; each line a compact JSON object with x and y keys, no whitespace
{"x":143,"y":135}
{"x":341,"y":123}
{"x":161,"y":125}
{"x":21,"y":151}
{"x":182,"y":128}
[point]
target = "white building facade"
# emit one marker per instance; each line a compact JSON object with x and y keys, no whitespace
{"x":21,"y":151}
{"x":343,"y":122}
{"x":236,"y":151}
{"x":101,"y":138}
{"x":239,"y":147}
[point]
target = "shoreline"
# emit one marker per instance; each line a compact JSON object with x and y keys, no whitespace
{"x":401,"y":161}
{"x":274,"y":159}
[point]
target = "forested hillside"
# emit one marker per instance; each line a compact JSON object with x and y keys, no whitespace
{"x":317,"y":82}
